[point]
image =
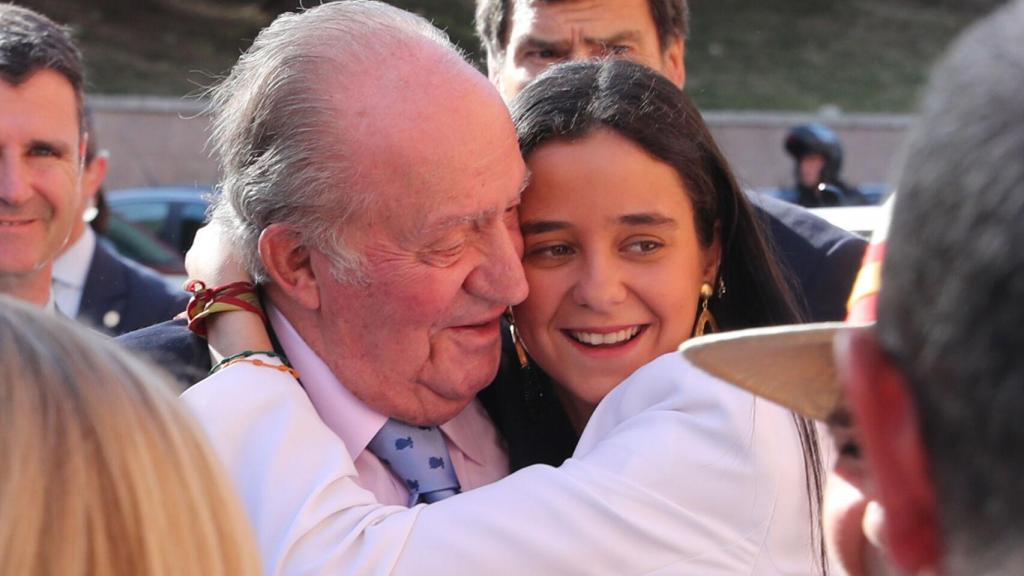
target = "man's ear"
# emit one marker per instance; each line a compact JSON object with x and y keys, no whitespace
{"x":288,"y":263}
{"x":673,"y":61}
{"x":93,"y":177}
{"x":883,"y":409}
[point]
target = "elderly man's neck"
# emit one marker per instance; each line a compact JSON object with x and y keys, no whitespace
{"x":299,"y":317}
{"x":33,"y":287}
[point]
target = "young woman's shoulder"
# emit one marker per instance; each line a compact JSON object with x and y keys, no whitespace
{"x":729,"y":462}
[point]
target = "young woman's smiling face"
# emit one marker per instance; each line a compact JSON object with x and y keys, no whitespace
{"x":613,"y":262}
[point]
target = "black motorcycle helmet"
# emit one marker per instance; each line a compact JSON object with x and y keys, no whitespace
{"x":815,"y":138}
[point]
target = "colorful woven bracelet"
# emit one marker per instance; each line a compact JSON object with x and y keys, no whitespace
{"x":246,"y":358}
{"x":208,"y":301}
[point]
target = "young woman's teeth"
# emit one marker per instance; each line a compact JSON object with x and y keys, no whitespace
{"x":595,"y":339}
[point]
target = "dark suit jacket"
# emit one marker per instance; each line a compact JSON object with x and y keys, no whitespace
{"x":120,"y":295}
{"x":173,"y":347}
{"x":821,"y":258}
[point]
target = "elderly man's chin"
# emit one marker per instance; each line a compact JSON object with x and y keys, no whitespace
{"x":462,"y":362}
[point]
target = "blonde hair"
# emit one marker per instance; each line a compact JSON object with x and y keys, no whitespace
{"x":101,"y":469}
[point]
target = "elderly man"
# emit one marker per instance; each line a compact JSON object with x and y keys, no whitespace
{"x":383,"y":233}
{"x":386,"y":237}
{"x":523,"y":37}
{"x":42,"y":144}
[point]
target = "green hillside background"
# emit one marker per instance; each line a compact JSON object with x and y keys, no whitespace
{"x":802,"y":55}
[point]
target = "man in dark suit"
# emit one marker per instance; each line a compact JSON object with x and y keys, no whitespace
{"x":46,"y":182}
{"x":523,"y":37}
{"x":93,"y":283}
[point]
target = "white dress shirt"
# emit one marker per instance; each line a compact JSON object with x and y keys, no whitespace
{"x":70,"y":270}
{"x":676,"y":473}
{"x":476,"y":450}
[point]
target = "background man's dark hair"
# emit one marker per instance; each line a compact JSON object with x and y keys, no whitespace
{"x":30,"y":42}
{"x":494,"y":19}
{"x":951,"y":308}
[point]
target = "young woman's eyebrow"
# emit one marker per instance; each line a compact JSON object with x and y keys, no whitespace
{"x":541,"y":226}
{"x":647,"y":219}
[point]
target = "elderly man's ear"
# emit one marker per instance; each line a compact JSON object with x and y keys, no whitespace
{"x":883,"y":408}
{"x":290,"y":265}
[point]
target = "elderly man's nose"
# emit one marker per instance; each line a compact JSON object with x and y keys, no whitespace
{"x":500,"y":277}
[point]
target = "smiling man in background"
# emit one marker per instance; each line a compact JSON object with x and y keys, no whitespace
{"x":42,"y":146}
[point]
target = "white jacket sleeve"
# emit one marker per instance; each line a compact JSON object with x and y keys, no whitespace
{"x":675,"y":473}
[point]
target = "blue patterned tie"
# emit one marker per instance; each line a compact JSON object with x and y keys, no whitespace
{"x":419,"y":456}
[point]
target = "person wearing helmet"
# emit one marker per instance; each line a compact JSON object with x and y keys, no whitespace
{"x":818,"y":157}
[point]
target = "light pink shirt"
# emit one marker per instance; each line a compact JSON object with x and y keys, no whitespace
{"x":475,"y":447}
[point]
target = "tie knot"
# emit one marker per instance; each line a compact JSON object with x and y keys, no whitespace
{"x":419,"y":456}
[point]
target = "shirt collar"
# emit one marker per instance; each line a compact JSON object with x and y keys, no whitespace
{"x":349,"y":417}
{"x":51,"y":306}
{"x":72,"y":266}
{"x":466,"y":432}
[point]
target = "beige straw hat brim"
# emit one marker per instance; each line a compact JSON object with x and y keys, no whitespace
{"x":790,"y":365}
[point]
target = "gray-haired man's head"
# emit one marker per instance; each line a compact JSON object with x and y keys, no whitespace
{"x":371,"y":177}
{"x":939,"y":387}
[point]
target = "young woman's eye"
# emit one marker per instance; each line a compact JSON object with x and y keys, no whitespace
{"x":643,"y":246}
{"x":550,"y":251}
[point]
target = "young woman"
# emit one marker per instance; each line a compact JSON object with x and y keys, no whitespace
{"x":635,"y":233}
{"x":636,"y":236}
{"x":631,"y":212}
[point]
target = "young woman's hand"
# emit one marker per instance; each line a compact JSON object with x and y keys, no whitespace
{"x":215,"y":261}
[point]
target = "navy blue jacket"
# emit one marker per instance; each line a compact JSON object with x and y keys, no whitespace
{"x":121,"y":295}
{"x":820,"y":260}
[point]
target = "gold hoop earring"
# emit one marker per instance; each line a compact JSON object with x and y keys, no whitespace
{"x":517,"y":342}
{"x":706,"y":323}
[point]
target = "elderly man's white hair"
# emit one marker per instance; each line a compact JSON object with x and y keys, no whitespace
{"x":278,"y":132}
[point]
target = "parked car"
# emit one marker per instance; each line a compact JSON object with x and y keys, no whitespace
{"x":137,"y":243}
{"x":170,"y":214}
{"x":861,"y":220}
{"x":874,"y":192}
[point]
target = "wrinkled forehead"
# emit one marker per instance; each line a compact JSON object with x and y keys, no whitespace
{"x":596,"y":20}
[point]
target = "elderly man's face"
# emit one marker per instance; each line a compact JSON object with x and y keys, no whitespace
{"x":545,"y":33}
{"x":442,"y":247}
{"x":39,"y":171}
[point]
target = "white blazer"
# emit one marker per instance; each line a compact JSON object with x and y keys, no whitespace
{"x":676,"y":473}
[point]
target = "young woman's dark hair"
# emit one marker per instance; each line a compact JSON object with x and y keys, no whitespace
{"x":571,"y":101}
